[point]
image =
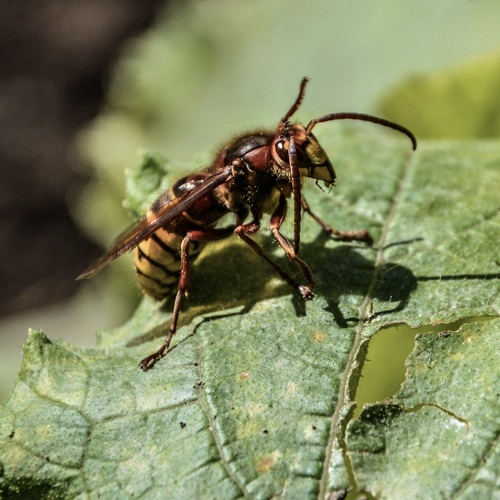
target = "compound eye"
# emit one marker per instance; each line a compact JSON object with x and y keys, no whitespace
{"x":282,"y":150}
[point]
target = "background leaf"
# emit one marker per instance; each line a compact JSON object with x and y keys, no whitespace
{"x":255,"y":397}
{"x":461,"y":102}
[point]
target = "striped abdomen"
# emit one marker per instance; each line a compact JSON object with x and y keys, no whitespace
{"x":158,"y":262}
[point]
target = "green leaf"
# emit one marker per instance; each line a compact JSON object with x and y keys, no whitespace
{"x":461,"y":102}
{"x":145,"y":183}
{"x":449,"y":407}
{"x":255,"y":397}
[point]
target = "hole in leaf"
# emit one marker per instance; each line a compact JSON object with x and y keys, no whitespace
{"x":384,"y":368}
{"x":384,"y":371}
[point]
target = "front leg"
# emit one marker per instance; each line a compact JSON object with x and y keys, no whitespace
{"x":275,"y":223}
{"x":361,"y":235}
{"x":244,"y":230}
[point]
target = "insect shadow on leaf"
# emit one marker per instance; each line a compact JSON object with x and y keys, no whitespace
{"x":348,"y":270}
{"x":230,"y":277}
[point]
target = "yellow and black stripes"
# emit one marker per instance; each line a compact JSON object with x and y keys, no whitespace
{"x":158,"y":262}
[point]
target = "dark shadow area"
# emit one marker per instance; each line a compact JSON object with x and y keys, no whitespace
{"x":28,"y":489}
{"x":344,"y":270}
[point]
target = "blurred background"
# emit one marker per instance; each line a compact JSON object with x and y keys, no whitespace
{"x":86,"y":85}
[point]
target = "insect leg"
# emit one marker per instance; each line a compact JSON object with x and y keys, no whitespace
{"x":277,"y":219}
{"x":243,"y":230}
{"x":296,"y":195}
{"x":195,"y":235}
{"x":361,"y":235}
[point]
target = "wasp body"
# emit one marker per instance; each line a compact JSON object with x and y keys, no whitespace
{"x":253,"y":175}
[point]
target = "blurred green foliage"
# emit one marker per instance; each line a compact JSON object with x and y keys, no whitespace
{"x":462,"y":102}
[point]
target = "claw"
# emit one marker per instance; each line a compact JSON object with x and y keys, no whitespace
{"x":306,"y":292}
{"x":365,"y":236}
{"x":148,"y":362}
